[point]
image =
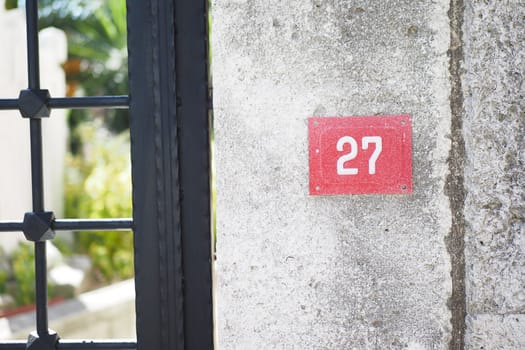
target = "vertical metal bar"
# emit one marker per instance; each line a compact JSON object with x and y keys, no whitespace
{"x":157,"y":194}
{"x":37,"y":177}
{"x":32,"y":44}
{"x":37,"y":181}
{"x":41,"y":288}
{"x":191,"y":56}
{"x":170,"y":158}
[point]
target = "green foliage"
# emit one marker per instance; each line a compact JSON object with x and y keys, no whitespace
{"x":97,"y":55}
{"x":4,"y":271}
{"x":3,"y":281}
{"x":23,"y":275}
{"x":63,"y":246}
{"x":98,"y":185}
{"x":98,"y":174}
{"x":11,"y":4}
{"x":100,"y":42}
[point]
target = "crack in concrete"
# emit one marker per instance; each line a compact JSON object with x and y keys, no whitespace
{"x":454,"y":187}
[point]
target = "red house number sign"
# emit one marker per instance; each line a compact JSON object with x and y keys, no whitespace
{"x":358,"y":155}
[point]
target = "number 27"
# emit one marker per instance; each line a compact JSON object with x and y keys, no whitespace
{"x":367,"y":140}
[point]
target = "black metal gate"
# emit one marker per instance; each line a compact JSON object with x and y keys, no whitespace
{"x":169,"y":106}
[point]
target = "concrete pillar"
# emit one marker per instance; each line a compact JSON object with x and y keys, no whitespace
{"x":335,"y":272}
{"x":442,"y":268}
{"x":494,"y":129}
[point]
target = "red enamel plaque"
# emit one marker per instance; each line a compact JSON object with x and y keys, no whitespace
{"x":359,"y":155}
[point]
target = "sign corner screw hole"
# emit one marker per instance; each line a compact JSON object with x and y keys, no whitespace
{"x":317,"y":188}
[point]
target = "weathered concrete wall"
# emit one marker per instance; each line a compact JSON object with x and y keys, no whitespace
{"x":15,"y":174}
{"x":494,"y":129}
{"x":443,"y":268}
{"x":342,"y":272}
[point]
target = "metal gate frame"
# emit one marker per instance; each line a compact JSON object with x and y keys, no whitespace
{"x":168,"y":65}
{"x":169,"y":105}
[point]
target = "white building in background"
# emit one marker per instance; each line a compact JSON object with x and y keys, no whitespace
{"x":15,"y":170}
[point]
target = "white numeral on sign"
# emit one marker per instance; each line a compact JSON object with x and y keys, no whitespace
{"x":367,"y":140}
{"x":341,"y":170}
{"x":379,"y":147}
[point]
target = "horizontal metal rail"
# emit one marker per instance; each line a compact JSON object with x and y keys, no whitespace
{"x":76,"y":345}
{"x":90,"y":102}
{"x":8,"y":104}
{"x":89,"y":225}
{"x":75,"y":102}
{"x":76,"y":225}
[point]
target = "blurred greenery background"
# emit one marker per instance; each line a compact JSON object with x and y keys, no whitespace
{"x":98,"y":166}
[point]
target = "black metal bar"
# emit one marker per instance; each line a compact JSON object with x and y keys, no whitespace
{"x":41,"y":288}
{"x":89,"y":102}
{"x":170,"y":157}
{"x":11,"y":226}
{"x":76,"y":225}
{"x":32,"y":44}
{"x":35,"y":126}
{"x":76,"y":345}
{"x":90,"y":225}
{"x":97,"y":345}
{"x":13,"y":345}
{"x":8,"y":104}
{"x":37,"y":172}
{"x":155,"y":169}
{"x":194,"y":154}
{"x":75,"y":102}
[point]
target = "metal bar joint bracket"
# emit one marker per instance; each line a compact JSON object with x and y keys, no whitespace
{"x":38,"y":227}
{"x":34,"y":103}
{"x":47,"y":341}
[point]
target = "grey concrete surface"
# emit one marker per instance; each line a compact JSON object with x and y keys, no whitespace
{"x":503,"y":332}
{"x":339,"y":272}
{"x":494,"y":127}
